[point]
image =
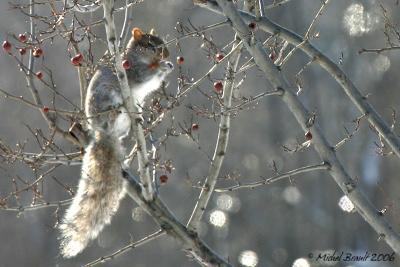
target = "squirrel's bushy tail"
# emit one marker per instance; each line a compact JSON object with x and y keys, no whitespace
{"x":100,"y":189}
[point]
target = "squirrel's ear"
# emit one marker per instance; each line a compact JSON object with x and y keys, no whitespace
{"x":152,"y":32}
{"x":137,"y":34}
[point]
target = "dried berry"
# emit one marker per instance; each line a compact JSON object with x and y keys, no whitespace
{"x":308,"y":135}
{"x":77,"y":59}
{"x":195,"y":126}
{"x":219,"y":57}
{"x":7,"y":46}
{"x":22,"y":37}
{"x":39,"y":75}
{"x":126,"y":64}
{"x":163,"y":179}
{"x":180,"y":60}
{"x":37,"y":52}
{"x":218,"y":86}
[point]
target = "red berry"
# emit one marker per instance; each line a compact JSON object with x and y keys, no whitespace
{"x":308,"y":135}
{"x":45,"y":109}
{"x":163,"y":179}
{"x":77,"y":59}
{"x":218,"y":86}
{"x":126,"y":64}
{"x":37,"y":52}
{"x":272,"y":56}
{"x":195,"y":126}
{"x":180,"y":60}
{"x":7,"y":46}
{"x":252,"y":25}
{"x":22,"y":51}
{"x":219,"y":57}
{"x":39,"y":75}
{"x":22,"y":37}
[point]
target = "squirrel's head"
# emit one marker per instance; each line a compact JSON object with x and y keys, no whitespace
{"x":147,"y":46}
{"x":148,"y":41}
{"x":147,"y":55}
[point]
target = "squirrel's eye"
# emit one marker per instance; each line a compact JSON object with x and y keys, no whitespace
{"x":153,"y":48}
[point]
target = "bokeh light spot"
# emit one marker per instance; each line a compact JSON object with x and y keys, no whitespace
{"x":357,"y":21}
{"x":218,"y":218}
{"x":248,"y":258}
{"x":345,"y":204}
{"x":301,"y":262}
{"x":291,"y":195}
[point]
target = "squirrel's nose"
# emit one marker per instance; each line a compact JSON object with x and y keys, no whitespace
{"x":170,"y":65}
{"x":166,"y":66}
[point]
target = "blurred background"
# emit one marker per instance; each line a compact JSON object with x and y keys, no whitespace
{"x":272,"y":225}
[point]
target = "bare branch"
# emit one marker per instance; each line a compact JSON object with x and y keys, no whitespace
{"x":126,"y":26}
{"x":198,"y":31}
{"x":84,"y":8}
{"x":33,"y":105}
{"x":277,"y":3}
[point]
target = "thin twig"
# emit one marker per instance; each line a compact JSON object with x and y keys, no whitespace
{"x":84,"y":8}
{"x":190,"y":34}
{"x":261,"y":7}
{"x":125,"y":249}
{"x":277,"y":4}
{"x":33,"y":105}
{"x":38,"y":206}
{"x":125,"y":27}
{"x":307,"y":35}
{"x":254,"y":98}
{"x":289,"y":174}
{"x":378,"y":50}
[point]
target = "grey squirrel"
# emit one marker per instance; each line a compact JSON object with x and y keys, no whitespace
{"x":101,"y":185}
